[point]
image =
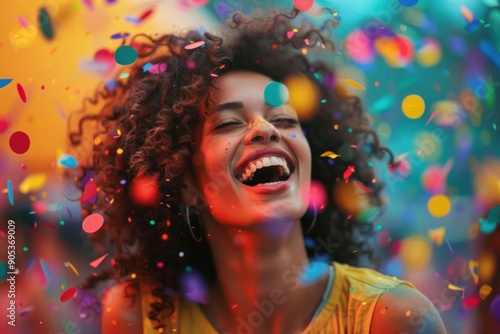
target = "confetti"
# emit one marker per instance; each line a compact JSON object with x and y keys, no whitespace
{"x":474,"y":271}
{"x":45,"y":22}
{"x":120,"y":35}
{"x":157,"y":68}
{"x":126,"y":55}
{"x":20,"y":91}
{"x":68,"y":161}
{"x":413,"y":106}
{"x":467,"y":14}
{"x":437,"y":235}
{"x":45,"y":269}
{"x":354,"y":84}
{"x":146,"y":14}
{"x":361,"y":186}
{"x":303,"y":5}
{"x":439,"y":205}
{"x":67,"y":295}
{"x":456,"y":288}
{"x":4,"y":82}
{"x":348,"y":172}
{"x":72,"y":268}
{"x":98,"y":261}
{"x":330,"y":155}
{"x":19,"y":142}
{"x":89,"y":192}
{"x":434,"y":114}
{"x":484,"y":291}
{"x":33,"y":182}
{"x":10,"y":192}
{"x":92,"y":223}
{"x":275,"y":94}
{"x":194,"y":45}
{"x":408,"y":3}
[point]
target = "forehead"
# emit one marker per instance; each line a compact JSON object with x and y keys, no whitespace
{"x":240,"y":84}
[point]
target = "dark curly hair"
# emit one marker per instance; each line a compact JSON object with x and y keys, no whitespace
{"x":143,"y":122}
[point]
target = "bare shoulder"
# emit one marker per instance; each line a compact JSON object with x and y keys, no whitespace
{"x":120,"y":313}
{"x":406,"y":311}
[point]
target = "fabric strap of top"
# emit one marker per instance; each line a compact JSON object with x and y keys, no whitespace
{"x":326,"y":295}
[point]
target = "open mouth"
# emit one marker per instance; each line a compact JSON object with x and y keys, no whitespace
{"x":265,"y":171}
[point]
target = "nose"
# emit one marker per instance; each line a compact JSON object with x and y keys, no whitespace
{"x":261,"y":130}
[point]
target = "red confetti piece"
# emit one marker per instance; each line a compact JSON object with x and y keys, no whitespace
{"x":303,"y":5}
{"x":19,"y":142}
{"x":361,"y":186}
{"x":348,"y":172}
{"x":67,"y":295}
{"x":49,"y":226}
{"x":93,"y":223}
{"x":146,"y":14}
{"x":89,"y":192}
{"x":98,"y":261}
{"x":21,"y":92}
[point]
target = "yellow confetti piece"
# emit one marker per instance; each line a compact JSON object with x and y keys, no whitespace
{"x":456,"y":288}
{"x":484,"y":291}
{"x":33,"y":182}
{"x":330,"y":155}
{"x":72,"y":268}
{"x":437,"y":235}
{"x":473,"y":269}
{"x":354,"y":84}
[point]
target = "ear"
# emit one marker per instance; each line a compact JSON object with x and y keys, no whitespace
{"x":188,"y":189}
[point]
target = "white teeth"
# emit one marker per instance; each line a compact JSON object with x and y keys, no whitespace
{"x":249,"y":170}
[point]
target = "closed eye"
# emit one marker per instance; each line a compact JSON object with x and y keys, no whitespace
{"x":288,"y":121}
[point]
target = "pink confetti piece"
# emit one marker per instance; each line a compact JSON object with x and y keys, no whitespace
{"x":21,"y":92}
{"x":434,"y":114}
{"x":194,"y":45}
{"x":98,"y":261}
{"x":92,"y":223}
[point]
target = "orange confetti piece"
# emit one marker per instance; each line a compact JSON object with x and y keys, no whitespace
{"x":72,"y":268}
{"x":467,"y":14}
{"x":437,"y":235}
{"x":330,"y":155}
{"x":354,"y":84}
{"x":98,"y":261}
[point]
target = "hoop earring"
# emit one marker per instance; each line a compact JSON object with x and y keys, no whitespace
{"x":313,"y":222}
{"x":190,"y":227}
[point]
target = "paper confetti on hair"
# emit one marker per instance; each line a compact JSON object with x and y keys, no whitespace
{"x":330,"y":154}
{"x":456,"y":288}
{"x":98,"y":261}
{"x":194,"y":45}
{"x":67,"y":263}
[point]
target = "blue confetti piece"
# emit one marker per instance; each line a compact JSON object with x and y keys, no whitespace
{"x":45,"y":269}
{"x":4,"y":82}
{"x":10,"y":192}
{"x":147,"y":67}
{"x":132,"y":19}
{"x":120,"y":35}
{"x":490,"y":51}
{"x":275,"y":94}
{"x":111,"y":84}
{"x":68,"y":161}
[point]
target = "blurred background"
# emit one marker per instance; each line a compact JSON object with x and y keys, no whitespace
{"x":427,"y":71}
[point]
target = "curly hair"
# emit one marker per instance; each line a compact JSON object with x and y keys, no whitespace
{"x":144,"y":126}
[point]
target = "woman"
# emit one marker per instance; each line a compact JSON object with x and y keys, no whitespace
{"x":204,"y":168}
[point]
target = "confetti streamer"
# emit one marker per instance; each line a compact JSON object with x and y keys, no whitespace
{"x":98,"y":261}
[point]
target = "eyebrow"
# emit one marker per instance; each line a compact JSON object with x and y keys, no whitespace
{"x":230,"y":105}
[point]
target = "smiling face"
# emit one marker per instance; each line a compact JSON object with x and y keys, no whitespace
{"x":252,"y":163}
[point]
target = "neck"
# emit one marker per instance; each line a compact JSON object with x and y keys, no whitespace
{"x":259,"y":283}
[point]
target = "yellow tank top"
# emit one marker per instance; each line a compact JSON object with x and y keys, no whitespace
{"x":348,"y":309}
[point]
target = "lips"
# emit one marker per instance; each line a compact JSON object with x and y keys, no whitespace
{"x":260,"y":153}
